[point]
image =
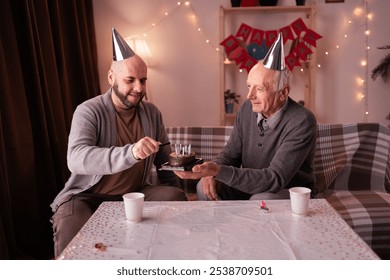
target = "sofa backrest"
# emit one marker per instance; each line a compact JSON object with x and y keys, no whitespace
{"x":205,"y":141}
{"x":352,"y":157}
{"x":348,"y":156}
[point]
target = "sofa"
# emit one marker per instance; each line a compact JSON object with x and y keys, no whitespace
{"x":352,"y":169}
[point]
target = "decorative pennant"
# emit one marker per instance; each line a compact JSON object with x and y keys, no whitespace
{"x":287,"y":33}
{"x":299,"y":26}
{"x":311,"y":37}
{"x":248,"y":63}
{"x":291,"y":61}
{"x":244,"y":31}
{"x":270,"y":37}
{"x":230,"y":43}
{"x":294,"y":44}
{"x":256,"y":51}
{"x":238,"y":55}
{"x":257,"y":36}
{"x":302,"y":51}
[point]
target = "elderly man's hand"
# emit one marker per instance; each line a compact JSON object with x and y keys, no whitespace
{"x":206,"y":169}
{"x":209,"y":188}
{"x":145,"y":147}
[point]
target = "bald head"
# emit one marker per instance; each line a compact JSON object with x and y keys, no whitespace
{"x":128,"y":81}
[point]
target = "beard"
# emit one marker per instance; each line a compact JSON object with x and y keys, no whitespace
{"x":123,"y":97}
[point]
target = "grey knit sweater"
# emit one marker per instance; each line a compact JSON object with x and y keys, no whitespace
{"x":282,"y":157}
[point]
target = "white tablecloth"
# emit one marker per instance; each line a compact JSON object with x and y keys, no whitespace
{"x":218,"y":230}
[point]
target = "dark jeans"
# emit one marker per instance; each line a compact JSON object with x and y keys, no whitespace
{"x":71,"y":216}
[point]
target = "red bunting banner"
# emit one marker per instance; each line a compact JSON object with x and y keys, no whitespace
{"x":257,"y":36}
{"x":298,"y":26}
{"x":230,"y":43}
{"x":250,"y":44}
{"x":238,"y":55}
{"x":244,"y":31}
{"x":287,"y":33}
{"x":270,"y":37}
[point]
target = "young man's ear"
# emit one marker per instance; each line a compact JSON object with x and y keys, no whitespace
{"x":110,"y":77}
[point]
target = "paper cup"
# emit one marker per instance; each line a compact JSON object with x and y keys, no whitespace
{"x":300,"y":198}
{"x":134,"y":206}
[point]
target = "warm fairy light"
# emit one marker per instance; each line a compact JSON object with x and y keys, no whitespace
{"x":199,"y":29}
{"x":358,"y":11}
{"x":319,"y":65}
{"x":166,"y":13}
{"x":208,"y":41}
{"x":187,"y":3}
{"x":178,"y":3}
{"x":363,"y":17}
{"x":359,"y":81}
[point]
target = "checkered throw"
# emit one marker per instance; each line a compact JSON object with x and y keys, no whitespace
{"x":352,"y":157}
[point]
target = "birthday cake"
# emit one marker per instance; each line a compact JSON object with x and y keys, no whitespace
{"x":180,"y":160}
{"x":182,"y":156}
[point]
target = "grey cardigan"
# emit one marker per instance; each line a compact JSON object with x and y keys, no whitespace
{"x":91,"y":146}
{"x":280,"y":159}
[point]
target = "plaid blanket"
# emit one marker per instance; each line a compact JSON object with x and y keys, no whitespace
{"x":352,"y":157}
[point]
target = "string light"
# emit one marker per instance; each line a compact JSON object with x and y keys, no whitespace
{"x":362,"y":83}
{"x":193,"y":18}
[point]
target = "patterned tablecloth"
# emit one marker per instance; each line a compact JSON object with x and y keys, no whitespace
{"x":218,"y":230}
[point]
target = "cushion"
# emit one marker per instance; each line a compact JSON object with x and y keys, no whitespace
{"x":367,"y":212}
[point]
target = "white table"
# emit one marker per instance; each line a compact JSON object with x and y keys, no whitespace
{"x":218,"y":230}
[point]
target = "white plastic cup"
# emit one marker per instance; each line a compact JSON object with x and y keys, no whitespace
{"x":300,"y":198}
{"x":134,"y":206}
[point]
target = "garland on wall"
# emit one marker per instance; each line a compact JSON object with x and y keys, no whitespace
{"x":361,"y":15}
{"x":359,"y":11}
{"x":246,"y":54}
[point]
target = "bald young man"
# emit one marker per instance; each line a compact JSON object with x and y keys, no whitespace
{"x":271,"y":147}
{"x":113,"y":144}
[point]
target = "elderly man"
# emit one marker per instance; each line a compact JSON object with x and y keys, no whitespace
{"x":113,"y":144}
{"x":272,"y":144}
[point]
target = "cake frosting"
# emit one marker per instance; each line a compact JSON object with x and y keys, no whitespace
{"x":180,"y":160}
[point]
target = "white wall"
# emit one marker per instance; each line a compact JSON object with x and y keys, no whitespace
{"x":184,"y":80}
